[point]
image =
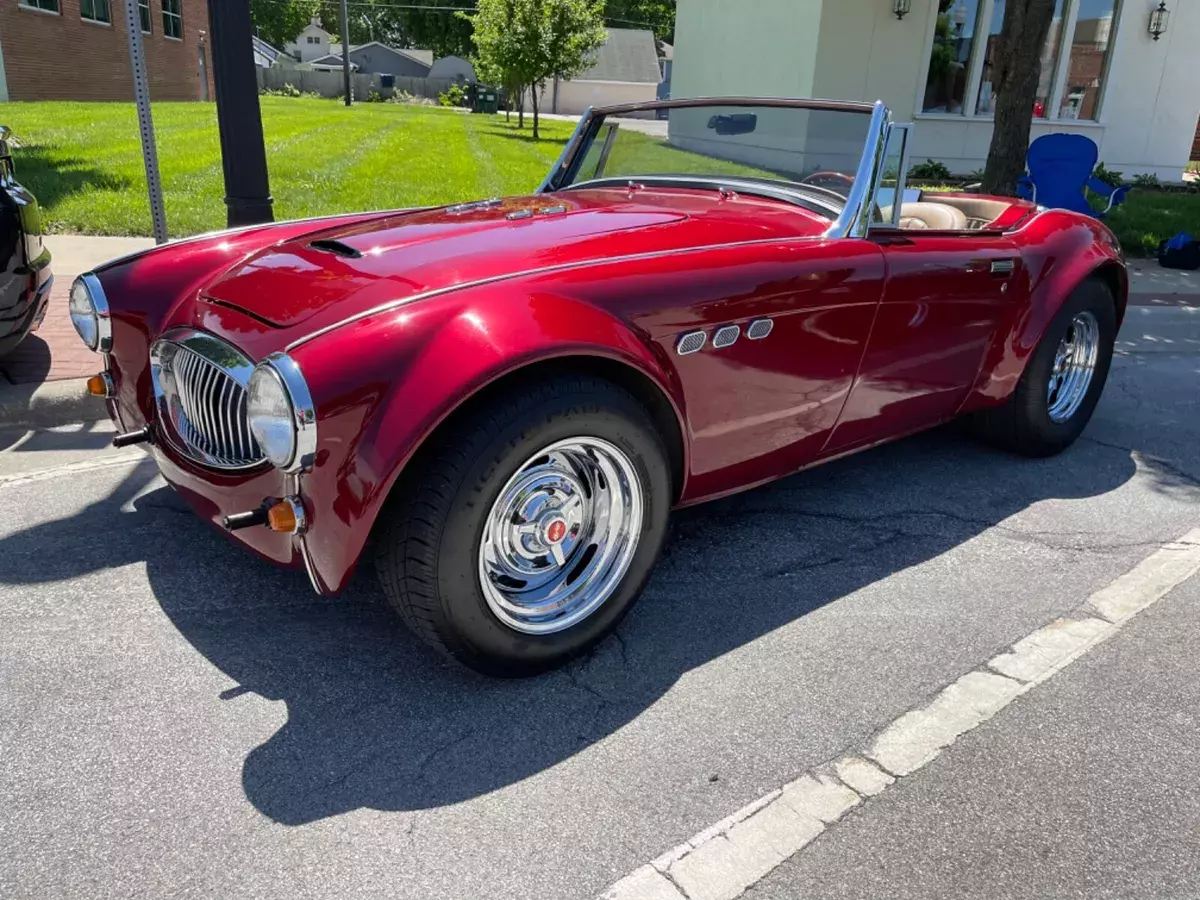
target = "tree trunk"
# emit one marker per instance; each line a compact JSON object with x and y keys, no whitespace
{"x":1017,"y":68}
{"x":521,"y":107}
{"x":533,"y":91}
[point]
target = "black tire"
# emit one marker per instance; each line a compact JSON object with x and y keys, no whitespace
{"x":430,"y":532}
{"x":1023,"y":425}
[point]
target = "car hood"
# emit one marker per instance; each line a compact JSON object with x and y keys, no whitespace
{"x":359,"y":266}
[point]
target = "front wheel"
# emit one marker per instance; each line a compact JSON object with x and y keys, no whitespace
{"x":528,"y":530}
{"x":1063,"y":379}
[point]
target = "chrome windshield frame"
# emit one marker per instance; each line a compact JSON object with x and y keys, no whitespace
{"x":856,"y":215}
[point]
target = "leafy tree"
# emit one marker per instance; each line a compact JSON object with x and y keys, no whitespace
{"x":657,"y":15}
{"x":278,"y":22}
{"x":524,"y":43}
{"x":1017,"y":67}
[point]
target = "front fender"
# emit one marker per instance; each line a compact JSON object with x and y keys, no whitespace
{"x":383,"y":385}
{"x":1059,"y":251}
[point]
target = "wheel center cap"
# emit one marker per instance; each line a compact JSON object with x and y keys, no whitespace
{"x":555,"y":531}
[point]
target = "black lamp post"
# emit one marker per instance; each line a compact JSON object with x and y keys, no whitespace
{"x":243,"y":153}
{"x":901,"y":8}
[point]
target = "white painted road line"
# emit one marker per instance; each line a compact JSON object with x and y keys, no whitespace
{"x":725,"y":859}
{"x":127,"y":457}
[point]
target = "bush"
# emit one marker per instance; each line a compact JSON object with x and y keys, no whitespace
{"x":1147,"y":180}
{"x":454,"y":95}
{"x":410,"y":99}
{"x":288,"y":90}
{"x":1112,"y":179}
{"x":932,"y":170}
{"x":374,"y":97}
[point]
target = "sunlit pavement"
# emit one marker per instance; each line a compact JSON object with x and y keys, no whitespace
{"x":180,"y":719}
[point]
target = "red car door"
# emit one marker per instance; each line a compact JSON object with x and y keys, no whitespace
{"x":765,"y":404}
{"x":945,"y":295}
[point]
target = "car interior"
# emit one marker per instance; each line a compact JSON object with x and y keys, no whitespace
{"x":947,"y":213}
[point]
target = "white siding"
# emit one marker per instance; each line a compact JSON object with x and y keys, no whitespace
{"x":576,"y":96}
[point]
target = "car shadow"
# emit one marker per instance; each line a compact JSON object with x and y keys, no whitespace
{"x":376,"y":720}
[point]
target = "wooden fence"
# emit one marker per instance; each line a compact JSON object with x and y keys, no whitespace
{"x":329,"y":84}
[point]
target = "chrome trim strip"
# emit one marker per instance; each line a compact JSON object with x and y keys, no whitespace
{"x":856,"y":215}
{"x":103,"y":312}
{"x":568,"y":154}
{"x":649,"y":105}
{"x":304,"y":414}
{"x":541,"y":270}
{"x":301,"y":542}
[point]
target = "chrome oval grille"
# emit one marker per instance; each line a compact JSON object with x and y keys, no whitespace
{"x":200,"y":386}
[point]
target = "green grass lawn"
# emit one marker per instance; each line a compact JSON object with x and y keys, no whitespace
{"x":83,"y":161}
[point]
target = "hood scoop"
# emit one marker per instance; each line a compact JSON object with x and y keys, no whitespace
{"x":332,"y":245}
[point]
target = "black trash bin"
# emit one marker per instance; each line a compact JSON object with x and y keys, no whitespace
{"x":387,"y":81}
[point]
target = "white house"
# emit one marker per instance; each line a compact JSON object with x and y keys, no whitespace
{"x":1103,"y":73}
{"x":312,"y":43}
{"x":624,"y":70}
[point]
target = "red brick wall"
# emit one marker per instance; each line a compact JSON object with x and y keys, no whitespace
{"x":64,"y":57}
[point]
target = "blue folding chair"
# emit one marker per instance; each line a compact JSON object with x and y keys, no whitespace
{"x":1060,"y":172}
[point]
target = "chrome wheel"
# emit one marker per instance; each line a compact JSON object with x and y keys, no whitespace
{"x":1074,"y":366}
{"x":561,"y":535}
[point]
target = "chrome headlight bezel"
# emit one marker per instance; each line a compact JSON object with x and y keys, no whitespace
{"x":285,"y":373}
{"x":97,"y":313}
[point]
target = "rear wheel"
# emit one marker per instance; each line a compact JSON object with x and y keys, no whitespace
{"x":528,"y":531}
{"x":1063,"y":380}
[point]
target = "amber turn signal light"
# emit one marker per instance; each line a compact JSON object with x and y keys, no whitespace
{"x":286,"y":516}
{"x":100,"y":385}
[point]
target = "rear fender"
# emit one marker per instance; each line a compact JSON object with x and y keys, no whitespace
{"x":1060,"y":250}
{"x":383,"y":385}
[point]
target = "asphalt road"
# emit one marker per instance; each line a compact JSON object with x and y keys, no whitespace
{"x":178,"y":719}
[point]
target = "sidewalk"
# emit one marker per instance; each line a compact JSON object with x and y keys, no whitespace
{"x":54,"y":352}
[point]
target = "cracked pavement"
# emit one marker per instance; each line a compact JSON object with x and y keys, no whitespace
{"x":179,"y":719}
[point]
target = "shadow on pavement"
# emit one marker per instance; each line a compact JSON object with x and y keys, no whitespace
{"x":376,"y":720}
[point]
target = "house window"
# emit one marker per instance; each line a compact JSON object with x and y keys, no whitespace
{"x":144,"y":15}
{"x":44,"y":5}
{"x":312,"y":39}
{"x":1088,"y":59}
{"x":173,"y":19}
{"x":95,"y":10}
{"x":950,"y":58}
{"x":960,"y":76}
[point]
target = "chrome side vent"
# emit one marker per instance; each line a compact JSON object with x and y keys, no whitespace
{"x":759,"y":329}
{"x":726,"y":337}
{"x":692,"y":342}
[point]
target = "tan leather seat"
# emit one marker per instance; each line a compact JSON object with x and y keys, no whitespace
{"x":924,"y":215}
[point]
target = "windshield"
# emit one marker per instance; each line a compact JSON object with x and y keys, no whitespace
{"x":814,"y":152}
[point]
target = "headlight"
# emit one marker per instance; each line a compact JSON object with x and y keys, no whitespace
{"x":90,"y":313}
{"x":280,"y":413}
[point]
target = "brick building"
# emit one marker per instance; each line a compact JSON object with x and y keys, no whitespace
{"x":79,"y":49}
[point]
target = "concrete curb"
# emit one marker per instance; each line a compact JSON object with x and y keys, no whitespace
{"x":49,"y":404}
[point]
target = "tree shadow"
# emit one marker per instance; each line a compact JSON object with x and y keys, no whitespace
{"x":376,"y":720}
{"x":52,"y":177}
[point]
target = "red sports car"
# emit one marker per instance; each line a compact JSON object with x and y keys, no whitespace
{"x":501,"y":401}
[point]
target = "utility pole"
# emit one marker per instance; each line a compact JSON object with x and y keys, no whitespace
{"x":239,"y":118}
{"x":345,"y":52}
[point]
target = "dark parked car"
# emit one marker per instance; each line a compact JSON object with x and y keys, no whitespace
{"x":24,"y":263}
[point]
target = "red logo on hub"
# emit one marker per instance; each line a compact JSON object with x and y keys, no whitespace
{"x":556,"y":531}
